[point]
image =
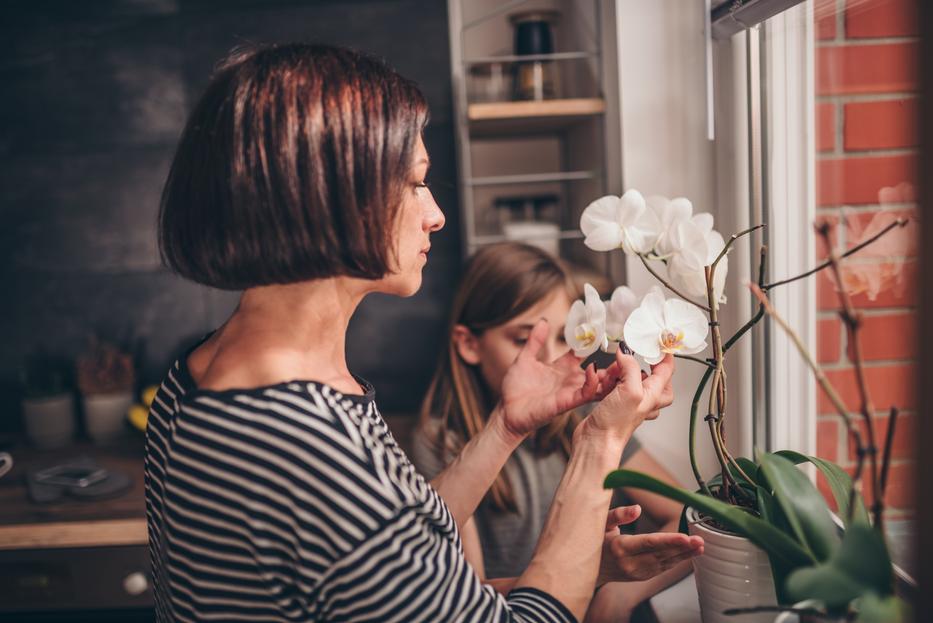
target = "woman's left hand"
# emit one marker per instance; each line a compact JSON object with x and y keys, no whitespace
{"x":534,"y":392}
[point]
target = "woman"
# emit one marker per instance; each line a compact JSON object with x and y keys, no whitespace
{"x":504,"y":290}
{"x":274,"y":489}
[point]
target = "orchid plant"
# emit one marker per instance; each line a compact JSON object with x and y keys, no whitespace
{"x":767,"y":500}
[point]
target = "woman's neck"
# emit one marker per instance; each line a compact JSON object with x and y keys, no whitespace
{"x":283,"y":332}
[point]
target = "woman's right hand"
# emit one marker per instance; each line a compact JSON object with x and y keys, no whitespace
{"x":635,"y":398}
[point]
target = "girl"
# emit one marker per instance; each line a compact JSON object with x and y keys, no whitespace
{"x":505,"y":289}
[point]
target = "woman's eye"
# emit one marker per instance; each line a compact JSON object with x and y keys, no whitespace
{"x":560,"y":338}
{"x":520,"y":341}
{"x":422,"y":185}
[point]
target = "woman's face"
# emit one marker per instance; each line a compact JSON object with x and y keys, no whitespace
{"x":496,"y":349}
{"x":418,"y":216}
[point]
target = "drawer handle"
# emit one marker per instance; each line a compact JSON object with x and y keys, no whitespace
{"x":135,"y":583}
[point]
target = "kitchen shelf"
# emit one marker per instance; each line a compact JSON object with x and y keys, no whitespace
{"x":530,"y":117}
{"x":532,"y":178}
{"x":572,"y":234}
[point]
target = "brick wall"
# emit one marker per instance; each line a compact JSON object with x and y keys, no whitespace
{"x":867,"y":153}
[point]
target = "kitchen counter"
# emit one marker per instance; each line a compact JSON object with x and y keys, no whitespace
{"x":70,"y":522}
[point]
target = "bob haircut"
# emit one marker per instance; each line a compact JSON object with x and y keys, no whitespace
{"x":291,"y":168}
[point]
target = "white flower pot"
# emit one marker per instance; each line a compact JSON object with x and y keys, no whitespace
{"x":104,"y":415}
{"x":731,"y":573}
{"x":50,"y":422}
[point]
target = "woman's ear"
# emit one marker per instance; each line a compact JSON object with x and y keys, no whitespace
{"x":466,"y":344}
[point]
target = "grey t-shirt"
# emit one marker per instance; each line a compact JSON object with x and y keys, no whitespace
{"x":509,"y":538}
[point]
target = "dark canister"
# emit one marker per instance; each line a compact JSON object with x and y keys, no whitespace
{"x":535,"y":79}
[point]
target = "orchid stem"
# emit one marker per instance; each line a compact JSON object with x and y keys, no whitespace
{"x":702,"y":362}
{"x":898,"y":223}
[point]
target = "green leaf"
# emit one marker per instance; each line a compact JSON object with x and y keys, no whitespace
{"x":748,"y":466}
{"x":874,"y":609}
{"x":803,"y":506}
{"x":840,"y":483}
{"x":860,"y":565}
{"x":780,"y":547}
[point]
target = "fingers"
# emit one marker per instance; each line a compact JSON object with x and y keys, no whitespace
{"x":660,"y":378}
{"x":536,"y":340}
{"x":658,"y":544}
{"x":630,"y":372}
{"x":622,"y":515}
{"x":608,"y":378}
{"x":591,"y":383}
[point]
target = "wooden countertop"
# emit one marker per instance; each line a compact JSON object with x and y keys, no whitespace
{"x":70,"y":522}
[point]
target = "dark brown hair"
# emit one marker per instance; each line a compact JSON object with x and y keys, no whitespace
{"x":291,"y":168}
{"x":499,"y":282}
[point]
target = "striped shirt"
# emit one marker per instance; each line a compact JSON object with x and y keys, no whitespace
{"x":293,"y":502}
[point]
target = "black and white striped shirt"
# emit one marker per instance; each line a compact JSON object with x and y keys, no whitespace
{"x":293,"y":502}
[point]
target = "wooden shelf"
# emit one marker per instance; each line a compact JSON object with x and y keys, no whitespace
{"x":518,"y":118}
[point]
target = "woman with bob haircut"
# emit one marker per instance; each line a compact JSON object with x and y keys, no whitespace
{"x":274,"y":489}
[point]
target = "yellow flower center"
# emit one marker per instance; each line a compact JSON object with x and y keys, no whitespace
{"x":585,"y":335}
{"x":671,"y":342}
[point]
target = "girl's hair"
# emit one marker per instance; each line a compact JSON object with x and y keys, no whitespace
{"x":499,"y":283}
{"x":291,"y":167}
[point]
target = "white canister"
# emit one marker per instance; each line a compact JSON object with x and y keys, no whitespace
{"x":105,"y":415}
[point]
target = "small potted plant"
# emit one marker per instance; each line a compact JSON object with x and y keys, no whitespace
{"x":47,"y":403}
{"x":105,"y":379}
{"x":771,"y":538}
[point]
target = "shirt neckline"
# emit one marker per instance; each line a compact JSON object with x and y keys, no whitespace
{"x":192,"y":389}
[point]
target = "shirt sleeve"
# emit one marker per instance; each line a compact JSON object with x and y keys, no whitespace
{"x":409,"y":572}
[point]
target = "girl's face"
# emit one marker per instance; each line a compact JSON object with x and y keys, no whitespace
{"x":418,"y":217}
{"x":496,"y":348}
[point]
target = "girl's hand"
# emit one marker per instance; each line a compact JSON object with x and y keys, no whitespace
{"x":534,"y":392}
{"x":633,"y":396}
{"x":636,"y":557}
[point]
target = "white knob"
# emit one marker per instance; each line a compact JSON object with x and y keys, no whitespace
{"x":135,"y":583}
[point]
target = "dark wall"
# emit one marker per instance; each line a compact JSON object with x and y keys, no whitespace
{"x":95,"y":95}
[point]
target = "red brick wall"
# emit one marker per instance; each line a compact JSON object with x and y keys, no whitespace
{"x":866,"y":141}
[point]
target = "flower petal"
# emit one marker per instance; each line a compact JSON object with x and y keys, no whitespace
{"x":630,"y":207}
{"x":641,"y":332}
{"x":600,"y":212}
{"x":595,"y":308}
{"x":691,"y":282}
{"x":704,"y":221}
{"x":575,"y":317}
{"x":607,"y":237}
{"x":682,"y":317}
{"x":690,"y":244}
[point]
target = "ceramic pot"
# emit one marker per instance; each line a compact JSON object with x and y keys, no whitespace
{"x":105,"y":414}
{"x":49,"y":421}
{"x":731,"y":573}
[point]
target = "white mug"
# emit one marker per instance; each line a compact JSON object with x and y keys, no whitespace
{"x":6,"y":462}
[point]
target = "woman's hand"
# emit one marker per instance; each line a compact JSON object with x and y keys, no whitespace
{"x":636,"y":557}
{"x":632,"y":397}
{"x":534,"y":392}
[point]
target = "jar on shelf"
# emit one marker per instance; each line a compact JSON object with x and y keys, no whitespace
{"x":490,"y":82}
{"x":536,"y":78}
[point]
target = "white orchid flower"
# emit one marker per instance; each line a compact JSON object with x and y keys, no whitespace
{"x":662,"y":326}
{"x":622,"y":303}
{"x":623,"y":222}
{"x":585,"y":331}
{"x":669,"y":212}
{"x":695,"y":245}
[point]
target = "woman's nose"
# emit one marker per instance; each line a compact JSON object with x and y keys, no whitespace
{"x":434,"y":219}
